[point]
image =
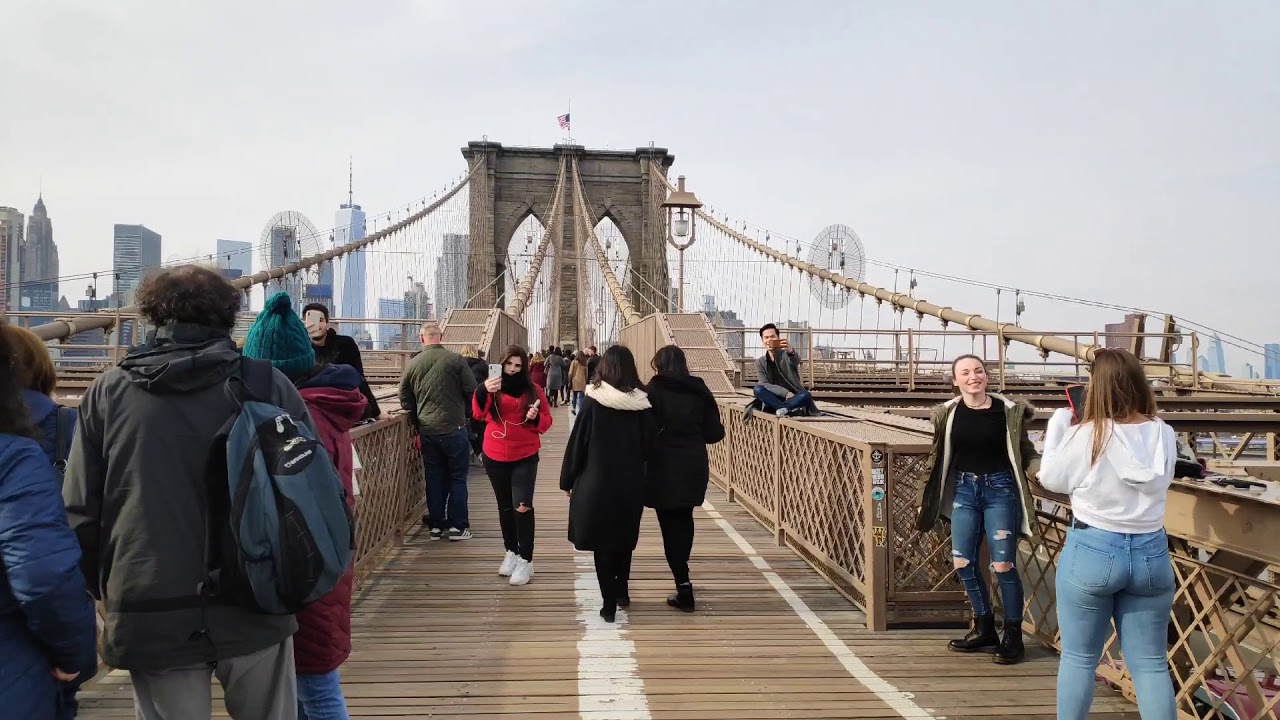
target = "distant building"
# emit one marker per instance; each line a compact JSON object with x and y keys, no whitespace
{"x":734,"y":342}
{"x":1125,"y":329}
{"x":1215,"y":357}
{"x":1248,"y":373}
{"x":799,"y":340}
{"x":389,"y":309}
{"x":234,"y":255}
{"x":136,"y":252}
{"x":417,"y":303}
{"x":40,"y":264}
{"x":451,"y":273}
{"x":349,"y":282}
{"x":11,"y":234}
{"x":1271,"y":361}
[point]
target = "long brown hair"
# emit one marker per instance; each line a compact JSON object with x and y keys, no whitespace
{"x":529,"y":395}
{"x":31,"y":360}
{"x":1118,"y":389}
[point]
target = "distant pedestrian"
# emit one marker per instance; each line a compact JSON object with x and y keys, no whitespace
{"x":556,"y":370}
{"x":480,"y":369}
{"x":577,"y":380}
{"x":436,"y":392}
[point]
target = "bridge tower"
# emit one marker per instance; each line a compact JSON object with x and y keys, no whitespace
{"x":517,"y":182}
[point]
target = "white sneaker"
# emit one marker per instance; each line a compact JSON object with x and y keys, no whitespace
{"x":508,"y":564}
{"x":781,"y":412}
{"x":522,"y":573}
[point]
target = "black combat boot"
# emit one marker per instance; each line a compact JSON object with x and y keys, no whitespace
{"x":1011,"y":650}
{"x":682,"y":598}
{"x":982,"y":638}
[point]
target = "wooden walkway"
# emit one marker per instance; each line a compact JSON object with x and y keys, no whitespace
{"x":439,"y":635}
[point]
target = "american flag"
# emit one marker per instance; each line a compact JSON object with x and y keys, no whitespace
{"x":563,"y":120}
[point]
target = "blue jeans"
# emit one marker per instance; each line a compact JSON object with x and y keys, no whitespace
{"x":988,"y":507}
{"x":1105,"y":576}
{"x":320,"y":697}
{"x":575,"y":400}
{"x":772,"y":403}
{"x":446,"y":460}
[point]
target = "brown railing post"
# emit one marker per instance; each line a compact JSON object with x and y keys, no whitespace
{"x":911,"y":360}
{"x":779,"y":535}
{"x":876,"y":486}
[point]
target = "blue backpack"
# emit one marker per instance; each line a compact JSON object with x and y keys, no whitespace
{"x":289,"y":535}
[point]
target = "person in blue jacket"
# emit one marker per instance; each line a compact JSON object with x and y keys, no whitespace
{"x":37,"y":378}
{"x":47,"y":625}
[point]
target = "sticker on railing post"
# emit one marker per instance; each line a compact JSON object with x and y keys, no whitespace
{"x":877,"y":497}
{"x":879,"y":533}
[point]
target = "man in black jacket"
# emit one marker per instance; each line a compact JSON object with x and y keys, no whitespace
{"x":138,"y":492}
{"x":335,"y":349}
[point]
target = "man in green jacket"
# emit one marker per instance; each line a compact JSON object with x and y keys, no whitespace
{"x":436,"y":392}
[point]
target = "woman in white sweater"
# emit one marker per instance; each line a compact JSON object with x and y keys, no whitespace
{"x":1116,"y":465}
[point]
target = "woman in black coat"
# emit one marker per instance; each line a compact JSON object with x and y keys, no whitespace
{"x":688,"y":421}
{"x":604,"y":473}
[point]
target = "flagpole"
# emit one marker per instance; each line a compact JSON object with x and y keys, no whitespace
{"x":570,"y":129}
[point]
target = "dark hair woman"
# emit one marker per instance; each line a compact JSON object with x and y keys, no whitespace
{"x":36,"y":377}
{"x":604,"y":473}
{"x":1117,"y":466}
{"x":47,"y":624}
{"x":688,"y":420}
{"x":335,"y":402}
{"x":516,"y":414}
{"x":979,"y":474}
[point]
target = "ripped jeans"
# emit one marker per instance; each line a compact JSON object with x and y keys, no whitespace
{"x":988,"y":507}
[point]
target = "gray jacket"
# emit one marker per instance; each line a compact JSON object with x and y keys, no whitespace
{"x":782,"y":372}
{"x":137,"y":497}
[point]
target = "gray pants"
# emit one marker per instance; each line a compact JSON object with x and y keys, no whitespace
{"x":261,"y":686}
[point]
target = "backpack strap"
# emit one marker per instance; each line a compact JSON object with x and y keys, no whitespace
{"x":258,"y":377}
{"x":62,"y":437}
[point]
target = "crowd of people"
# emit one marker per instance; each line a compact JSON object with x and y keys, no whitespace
{"x":127,"y":500}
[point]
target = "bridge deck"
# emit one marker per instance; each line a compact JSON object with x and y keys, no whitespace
{"x":439,"y":635}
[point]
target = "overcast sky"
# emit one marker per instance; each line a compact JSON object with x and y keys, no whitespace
{"x":1125,"y":152}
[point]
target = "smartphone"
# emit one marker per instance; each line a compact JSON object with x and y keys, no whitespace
{"x":313,"y":319}
{"x":495,"y":371}
{"x":1075,"y":398}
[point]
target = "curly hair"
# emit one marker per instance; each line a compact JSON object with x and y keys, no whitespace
{"x":189,"y":294}
{"x":15,"y":419}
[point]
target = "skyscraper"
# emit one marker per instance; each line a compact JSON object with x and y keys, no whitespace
{"x":136,"y":252}
{"x":417,"y":303}
{"x":451,"y":273}
{"x":350,"y":289}
{"x":236,"y":256}
{"x":389,"y":309}
{"x":1217,"y":359}
{"x":40,"y":263}
{"x":10,"y":259}
{"x":1271,"y":366}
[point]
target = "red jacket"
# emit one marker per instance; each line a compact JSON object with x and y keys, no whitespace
{"x":511,"y":439}
{"x":538,"y":373}
{"x":323,"y":640}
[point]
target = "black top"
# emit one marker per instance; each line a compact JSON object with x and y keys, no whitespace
{"x":979,"y":440}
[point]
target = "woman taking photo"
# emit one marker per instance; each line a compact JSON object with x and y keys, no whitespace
{"x":688,"y":420}
{"x":516,"y":415}
{"x":47,"y":621}
{"x":1116,"y":465}
{"x":604,"y":473}
{"x":577,"y":381}
{"x":978,"y":479}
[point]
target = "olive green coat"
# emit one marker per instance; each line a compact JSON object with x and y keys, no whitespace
{"x":1023,"y":456}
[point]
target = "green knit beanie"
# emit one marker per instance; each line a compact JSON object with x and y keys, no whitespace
{"x":279,"y":335}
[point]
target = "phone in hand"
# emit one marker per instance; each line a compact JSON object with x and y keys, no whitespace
{"x":495,"y":371}
{"x":314,"y":320}
{"x":1075,"y":399}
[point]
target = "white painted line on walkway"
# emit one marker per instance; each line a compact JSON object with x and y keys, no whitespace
{"x":899,"y":701}
{"x":609,"y":683}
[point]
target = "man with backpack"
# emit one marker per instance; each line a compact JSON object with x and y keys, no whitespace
{"x":149,"y":494}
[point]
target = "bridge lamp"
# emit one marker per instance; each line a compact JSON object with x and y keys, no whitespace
{"x":681,"y":206}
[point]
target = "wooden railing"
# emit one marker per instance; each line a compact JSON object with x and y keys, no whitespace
{"x":391,"y":490}
{"x":842,"y":493}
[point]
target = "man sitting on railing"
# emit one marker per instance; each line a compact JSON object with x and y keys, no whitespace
{"x":778,"y":387}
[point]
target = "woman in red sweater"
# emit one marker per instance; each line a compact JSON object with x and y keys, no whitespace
{"x":515,"y":413}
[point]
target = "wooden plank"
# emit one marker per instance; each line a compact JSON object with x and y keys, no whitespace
{"x":437,"y":634}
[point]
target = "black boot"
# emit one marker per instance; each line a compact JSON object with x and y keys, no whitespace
{"x":1011,"y":650}
{"x":682,"y":599}
{"x":624,"y":598}
{"x":982,"y":638}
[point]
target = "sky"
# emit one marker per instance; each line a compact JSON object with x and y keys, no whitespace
{"x":1121,"y":152}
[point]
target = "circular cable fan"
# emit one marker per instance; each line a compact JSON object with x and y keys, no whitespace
{"x":837,"y":249}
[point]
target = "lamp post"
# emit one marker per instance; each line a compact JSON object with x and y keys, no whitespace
{"x":680,"y":206}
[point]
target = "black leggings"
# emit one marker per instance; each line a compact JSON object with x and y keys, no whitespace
{"x":513,"y":487}
{"x":677,"y":540}
{"x":613,"y":570}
